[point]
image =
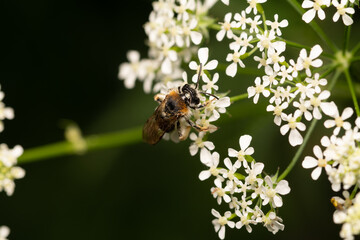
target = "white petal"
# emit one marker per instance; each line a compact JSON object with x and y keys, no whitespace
{"x":249,"y":151}
{"x":316,"y":173}
{"x":348,"y":112}
{"x":329,"y":123}
{"x":309,"y":162}
{"x":278,"y":201}
{"x":220,"y":35}
{"x":315,"y":52}
{"x":193,"y":65}
{"x":284,"y":129}
{"x":347,"y":20}
{"x":215,"y":213}
{"x":205,"y":156}
{"x":222,"y":232}
{"x":203,"y":55}
{"x":244,"y":141}
{"x":204,"y":175}
{"x":317,"y":63}
{"x":231,"y":69}
{"x":295,"y":138}
{"x":317,"y":151}
{"x":228,"y":163}
{"x":196,"y":37}
{"x":309,"y":15}
{"x":283,"y":187}
{"x":232,"y":152}
{"x":307,"y":4}
{"x":211,"y":65}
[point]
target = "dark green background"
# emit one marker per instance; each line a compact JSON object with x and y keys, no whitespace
{"x":59,"y":60}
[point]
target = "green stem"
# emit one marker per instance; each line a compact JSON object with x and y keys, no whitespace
{"x":347,"y":38}
{"x":298,"y":45}
{"x":307,"y":136}
{"x":352,"y":91}
{"x":317,"y":29}
{"x":94,"y":142}
{"x":238,"y":97}
{"x":356,"y":49}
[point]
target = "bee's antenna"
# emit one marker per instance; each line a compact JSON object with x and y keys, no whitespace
{"x":209,"y":94}
{"x":199,"y":75}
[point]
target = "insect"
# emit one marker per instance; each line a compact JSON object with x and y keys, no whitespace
{"x":175,"y":107}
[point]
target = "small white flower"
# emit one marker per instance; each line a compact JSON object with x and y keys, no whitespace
{"x":219,"y":192}
{"x":243,"y":42}
{"x":199,"y":143}
{"x":245,"y":220}
{"x":210,"y":84}
{"x":253,"y":171}
{"x":226,"y":27}
{"x":215,"y":107}
{"x":303,"y":108}
{"x":271,"y":194}
{"x":242,"y":20}
{"x":304,"y":90}
{"x":244,"y":142}
{"x":319,"y":163}
{"x":276,"y":25}
{"x":128,"y":71}
{"x":220,"y":222}
{"x":278,"y":111}
{"x":231,"y":70}
{"x":252,"y":5}
{"x":316,"y":82}
{"x":272,"y":222}
{"x":293,"y":125}
{"x":258,"y":89}
{"x":307,"y":62}
{"x":315,"y":7}
{"x":203,"y":55}
{"x":338,"y":121}
{"x":254,"y":24}
{"x":262,"y":60}
{"x":342,"y":11}
{"x":212,"y":161}
{"x":319,"y":103}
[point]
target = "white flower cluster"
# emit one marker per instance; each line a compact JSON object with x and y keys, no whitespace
{"x":174,"y":30}
{"x":8,"y":157}
{"x":340,"y":160}
{"x":344,"y":9}
{"x":341,"y":156}
{"x":347,"y":213}
{"x":282,"y":80}
{"x":251,"y":197}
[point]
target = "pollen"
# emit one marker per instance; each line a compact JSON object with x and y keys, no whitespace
{"x":226,"y":26}
{"x":339,"y":122}
{"x":322,"y":162}
{"x":270,"y":193}
{"x":223,"y":221}
{"x":214,"y":171}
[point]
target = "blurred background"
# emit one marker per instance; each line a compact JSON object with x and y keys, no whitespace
{"x":59,"y":60}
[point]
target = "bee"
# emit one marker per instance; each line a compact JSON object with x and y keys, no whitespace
{"x":174,"y":107}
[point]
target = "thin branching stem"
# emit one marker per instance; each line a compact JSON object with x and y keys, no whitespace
{"x":352,"y":91}
{"x":307,"y":136}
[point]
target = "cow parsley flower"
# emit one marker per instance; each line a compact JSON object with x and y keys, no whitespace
{"x":203,"y":55}
{"x":276,"y":25}
{"x":244,"y":142}
{"x":220,"y":222}
{"x":271,"y":193}
{"x":315,"y":7}
{"x":293,"y":125}
{"x":319,"y":163}
{"x":338,"y":121}
{"x":260,"y":88}
{"x":342,"y":11}
{"x":308,"y":61}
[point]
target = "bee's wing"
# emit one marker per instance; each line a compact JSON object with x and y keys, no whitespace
{"x":151,"y":131}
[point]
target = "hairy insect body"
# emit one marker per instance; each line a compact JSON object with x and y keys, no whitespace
{"x":173,"y":107}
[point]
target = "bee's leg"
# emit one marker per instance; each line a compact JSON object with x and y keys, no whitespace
{"x":197,"y":127}
{"x":183,"y":130}
{"x":159,"y":97}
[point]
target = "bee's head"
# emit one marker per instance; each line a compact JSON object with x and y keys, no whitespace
{"x":190,"y":95}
